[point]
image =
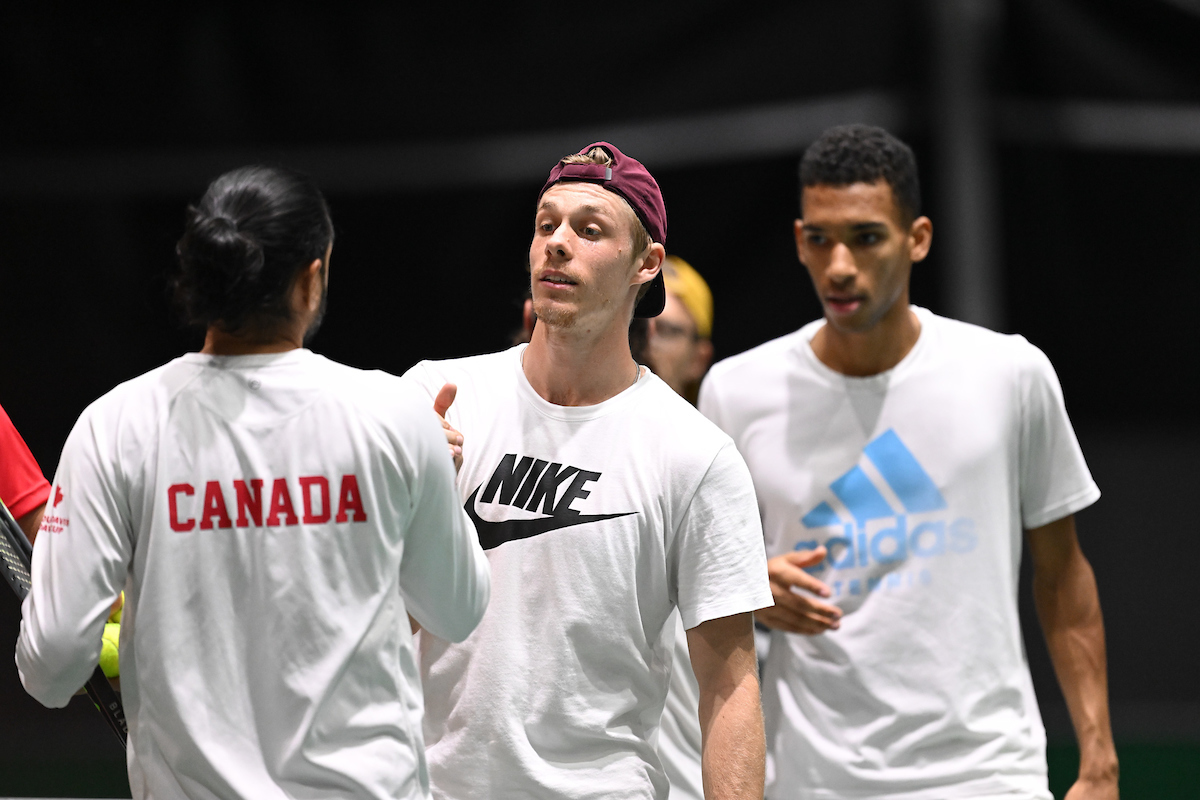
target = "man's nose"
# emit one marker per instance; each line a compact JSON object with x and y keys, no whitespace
{"x":558,"y":243}
{"x":841,"y":264}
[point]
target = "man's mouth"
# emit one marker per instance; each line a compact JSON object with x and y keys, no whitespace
{"x":557,"y":279}
{"x":843,"y":304}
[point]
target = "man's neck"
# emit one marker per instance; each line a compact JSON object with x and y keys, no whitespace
{"x":570,"y":367}
{"x":220,"y":343}
{"x":861,"y":354}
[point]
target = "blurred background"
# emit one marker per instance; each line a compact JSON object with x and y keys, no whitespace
{"x":1059,"y":146}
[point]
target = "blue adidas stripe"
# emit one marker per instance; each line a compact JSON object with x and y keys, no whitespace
{"x":860,"y":496}
{"x":904,"y":474}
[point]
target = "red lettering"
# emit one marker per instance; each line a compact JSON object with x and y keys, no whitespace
{"x":281,"y":500}
{"x":172,"y":493}
{"x":214,"y":506}
{"x":306,"y":485}
{"x":249,"y":498}
{"x":349,"y":499}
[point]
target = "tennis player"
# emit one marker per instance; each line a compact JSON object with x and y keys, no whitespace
{"x":604,"y":501}
{"x":899,"y":459}
{"x":23,"y":488}
{"x":271,"y":516}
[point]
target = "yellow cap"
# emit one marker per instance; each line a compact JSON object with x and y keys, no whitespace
{"x":685,"y":283}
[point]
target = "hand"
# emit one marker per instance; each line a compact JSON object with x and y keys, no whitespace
{"x":798,"y":613}
{"x":441,"y":404}
{"x":1093,"y":789}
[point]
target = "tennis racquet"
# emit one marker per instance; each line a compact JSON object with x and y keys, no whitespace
{"x":15,"y":556}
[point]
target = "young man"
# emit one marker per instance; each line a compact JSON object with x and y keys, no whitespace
{"x":271,"y":516}
{"x":604,"y":501}
{"x":898,"y":456}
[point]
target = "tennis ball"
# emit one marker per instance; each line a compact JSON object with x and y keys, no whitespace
{"x":118,"y":608}
{"x":109,"y":661}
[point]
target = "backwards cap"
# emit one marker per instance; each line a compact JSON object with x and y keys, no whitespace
{"x":632,"y":181}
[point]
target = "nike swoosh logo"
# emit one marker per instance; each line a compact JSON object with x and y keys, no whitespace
{"x":494,"y":534}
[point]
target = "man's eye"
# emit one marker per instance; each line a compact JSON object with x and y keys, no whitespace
{"x":816,"y":238}
{"x":591,"y":230}
{"x":870,"y":238}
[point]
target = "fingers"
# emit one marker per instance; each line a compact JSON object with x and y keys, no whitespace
{"x":444,"y":399}
{"x":788,"y":569}
{"x":454,"y":439}
{"x":799,"y":611}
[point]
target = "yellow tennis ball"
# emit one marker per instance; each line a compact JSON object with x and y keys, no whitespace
{"x":109,"y":661}
{"x":118,"y":608}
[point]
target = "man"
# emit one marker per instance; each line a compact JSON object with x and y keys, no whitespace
{"x":23,"y":488}
{"x":680,"y":344}
{"x":271,"y":516}
{"x":679,"y":351}
{"x":603,"y":501}
{"x":898,"y":456}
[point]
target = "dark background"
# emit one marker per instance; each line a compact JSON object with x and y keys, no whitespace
{"x":1059,"y":143}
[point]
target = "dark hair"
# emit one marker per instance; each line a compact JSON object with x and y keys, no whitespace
{"x":850,"y":154}
{"x":243,"y":243}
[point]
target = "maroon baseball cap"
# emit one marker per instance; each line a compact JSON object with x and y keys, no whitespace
{"x":628,"y":178}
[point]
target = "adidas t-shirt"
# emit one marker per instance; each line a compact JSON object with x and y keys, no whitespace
{"x":919,"y":481}
{"x":271,"y":519}
{"x":597,"y":522}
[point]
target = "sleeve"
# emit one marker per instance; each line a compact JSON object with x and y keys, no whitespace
{"x":444,"y":573}
{"x":22,"y":486}
{"x":720,"y":562}
{"x":707,"y":403}
{"x":79,"y":567}
{"x":1054,"y":478}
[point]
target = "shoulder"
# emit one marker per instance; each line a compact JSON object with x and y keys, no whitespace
{"x":974,"y":343}
{"x":764,"y":359}
{"x":678,"y":424}
{"x":429,"y":375}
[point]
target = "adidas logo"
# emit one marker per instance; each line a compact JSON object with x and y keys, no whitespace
{"x":874,"y":502}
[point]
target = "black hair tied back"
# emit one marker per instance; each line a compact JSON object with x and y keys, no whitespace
{"x":243,"y":244}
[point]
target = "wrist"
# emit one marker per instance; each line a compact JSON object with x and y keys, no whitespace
{"x":1099,"y":766}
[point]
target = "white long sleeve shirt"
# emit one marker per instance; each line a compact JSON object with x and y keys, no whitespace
{"x":272,"y":519}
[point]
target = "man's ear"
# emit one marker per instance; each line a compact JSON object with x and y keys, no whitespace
{"x":311,"y":284}
{"x":920,"y":238}
{"x":798,"y":232}
{"x":651,"y":263}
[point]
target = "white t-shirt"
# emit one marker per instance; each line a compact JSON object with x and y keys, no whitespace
{"x":919,"y":480}
{"x":680,"y":741}
{"x":597,"y":522}
{"x":271,"y":519}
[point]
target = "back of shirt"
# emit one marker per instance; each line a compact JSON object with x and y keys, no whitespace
{"x":272,"y":519}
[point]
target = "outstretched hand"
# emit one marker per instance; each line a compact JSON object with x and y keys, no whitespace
{"x":798,"y":612}
{"x":441,"y":404}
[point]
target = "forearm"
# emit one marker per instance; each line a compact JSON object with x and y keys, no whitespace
{"x":1068,"y":606}
{"x":734,"y":747}
{"x":29,"y":523}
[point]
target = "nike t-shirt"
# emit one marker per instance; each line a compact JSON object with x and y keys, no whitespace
{"x":597,"y":522}
{"x":919,"y":482}
{"x":271,"y":519}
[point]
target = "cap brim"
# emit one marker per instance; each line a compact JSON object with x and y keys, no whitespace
{"x":654,"y":300}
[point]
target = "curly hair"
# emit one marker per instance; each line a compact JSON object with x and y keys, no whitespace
{"x":850,"y":154}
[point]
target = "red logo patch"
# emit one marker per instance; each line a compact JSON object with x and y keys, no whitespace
{"x":58,"y":496}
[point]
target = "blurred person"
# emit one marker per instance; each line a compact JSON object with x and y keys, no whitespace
{"x":680,"y":338}
{"x":899,"y":457}
{"x":23,"y":487}
{"x":272,"y":516}
{"x":604,"y":502}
